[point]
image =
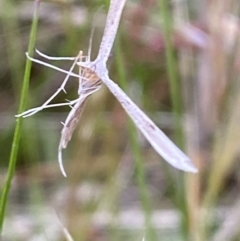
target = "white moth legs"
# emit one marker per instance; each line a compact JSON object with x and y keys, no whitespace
{"x":91,"y":75}
{"x":88,"y":84}
{"x":61,"y":88}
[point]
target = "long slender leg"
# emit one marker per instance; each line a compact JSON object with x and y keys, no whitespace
{"x":29,"y":112}
{"x":57,"y":58}
{"x":61,"y":88}
{"x":52,"y":57}
{"x":52,"y":66}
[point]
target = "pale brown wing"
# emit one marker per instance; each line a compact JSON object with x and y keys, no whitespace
{"x":89,"y":83}
{"x":69,"y":127}
{"x":160,"y":142}
{"x":87,"y":86}
{"x":71,"y":121}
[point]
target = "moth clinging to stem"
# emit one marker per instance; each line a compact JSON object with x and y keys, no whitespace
{"x":91,"y":75}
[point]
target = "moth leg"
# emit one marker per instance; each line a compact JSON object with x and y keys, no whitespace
{"x":52,"y":66}
{"x":61,"y":88}
{"x":58,"y":58}
{"x":37,"y":109}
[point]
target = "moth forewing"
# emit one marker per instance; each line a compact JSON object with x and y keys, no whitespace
{"x":69,"y":126}
{"x":89,"y":82}
{"x":72,"y":120}
{"x":90,"y":77}
{"x":110,"y":30}
{"x":160,"y":142}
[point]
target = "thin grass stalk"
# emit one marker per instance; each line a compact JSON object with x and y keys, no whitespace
{"x":13,"y":48}
{"x":176,"y":100}
{"x":226,"y":144}
{"x":172,"y":69}
{"x":68,"y":27}
{"x":224,"y":155}
{"x":193,"y":125}
{"x":140,"y":171}
{"x":18,"y":129}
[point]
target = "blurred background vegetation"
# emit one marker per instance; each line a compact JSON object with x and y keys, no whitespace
{"x":179,"y":61}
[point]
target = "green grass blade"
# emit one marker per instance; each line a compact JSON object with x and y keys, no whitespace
{"x":18,"y":129}
{"x":172,"y":69}
{"x":140,"y":171}
{"x":176,"y":99}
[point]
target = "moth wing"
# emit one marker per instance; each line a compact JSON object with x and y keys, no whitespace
{"x":69,"y":126}
{"x":160,"y":142}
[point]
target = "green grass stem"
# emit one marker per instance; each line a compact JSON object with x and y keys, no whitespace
{"x":172,"y":69}
{"x":176,"y":99}
{"x":140,"y":171}
{"x":13,"y":48}
{"x":18,"y":129}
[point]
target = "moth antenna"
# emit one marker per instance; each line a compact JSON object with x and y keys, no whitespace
{"x":80,"y":72}
{"x":91,"y":35}
{"x":90,"y":45}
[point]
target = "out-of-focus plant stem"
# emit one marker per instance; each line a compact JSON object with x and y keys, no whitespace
{"x":176,"y":99}
{"x":18,"y":129}
{"x":140,"y":171}
{"x":172,"y":70}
